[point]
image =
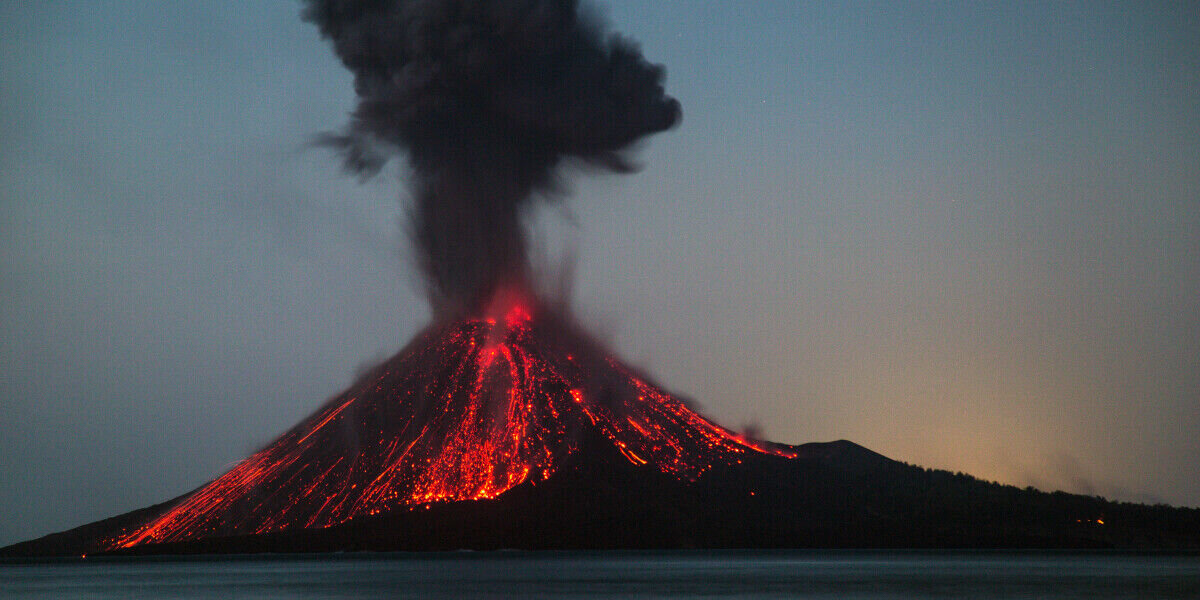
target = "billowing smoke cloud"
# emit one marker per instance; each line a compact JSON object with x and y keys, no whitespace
{"x":486,"y":98}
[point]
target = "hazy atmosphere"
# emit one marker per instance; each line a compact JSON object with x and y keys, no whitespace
{"x":966,"y":236}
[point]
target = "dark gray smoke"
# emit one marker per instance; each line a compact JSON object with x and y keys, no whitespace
{"x":485,"y":98}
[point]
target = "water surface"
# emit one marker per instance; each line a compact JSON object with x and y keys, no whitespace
{"x":725,"y":574}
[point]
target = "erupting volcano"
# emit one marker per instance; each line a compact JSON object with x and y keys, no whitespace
{"x":469,"y":410}
{"x":485,"y":99}
{"x":503,"y":424}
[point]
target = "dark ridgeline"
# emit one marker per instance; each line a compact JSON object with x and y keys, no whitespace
{"x":503,"y":425}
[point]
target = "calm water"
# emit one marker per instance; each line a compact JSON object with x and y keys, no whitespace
{"x":807,"y":574}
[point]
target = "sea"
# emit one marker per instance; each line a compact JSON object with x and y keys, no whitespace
{"x":648,"y":574}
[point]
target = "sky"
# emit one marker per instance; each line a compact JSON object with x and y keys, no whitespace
{"x":963,"y":235}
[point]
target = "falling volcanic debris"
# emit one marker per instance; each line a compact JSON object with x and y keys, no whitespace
{"x":467,"y":411}
{"x":484,"y":99}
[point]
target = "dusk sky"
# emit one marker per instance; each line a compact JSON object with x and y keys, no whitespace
{"x":966,"y":236}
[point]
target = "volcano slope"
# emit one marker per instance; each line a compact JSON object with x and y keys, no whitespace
{"x":512,"y":429}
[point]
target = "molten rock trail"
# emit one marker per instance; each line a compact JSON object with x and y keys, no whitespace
{"x":469,"y":410}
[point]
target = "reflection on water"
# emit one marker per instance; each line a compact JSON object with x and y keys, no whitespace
{"x":727,"y":574}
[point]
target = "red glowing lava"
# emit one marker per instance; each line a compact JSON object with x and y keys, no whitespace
{"x":467,"y":411}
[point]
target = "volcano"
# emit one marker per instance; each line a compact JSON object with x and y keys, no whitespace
{"x":469,"y":410}
{"x":511,"y":428}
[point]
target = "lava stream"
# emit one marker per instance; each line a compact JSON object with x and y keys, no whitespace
{"x":466,"y":412}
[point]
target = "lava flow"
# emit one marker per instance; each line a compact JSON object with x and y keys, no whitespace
{"x":467,"y":411}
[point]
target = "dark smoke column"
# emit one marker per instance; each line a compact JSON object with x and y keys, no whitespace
{"x":485,"y":98}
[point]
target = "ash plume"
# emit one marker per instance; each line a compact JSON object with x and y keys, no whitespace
{"x":485,"y":98}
